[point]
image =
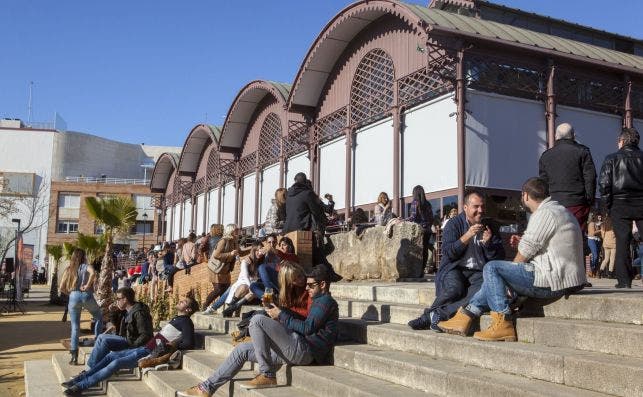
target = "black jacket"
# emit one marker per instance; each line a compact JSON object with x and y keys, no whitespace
{"x":303,"y":209}
{"x":569,"y":170}
{"x":621,"y":179}
{"x":135,"y":325}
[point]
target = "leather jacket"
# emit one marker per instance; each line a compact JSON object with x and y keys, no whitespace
{"x":621,"y":178}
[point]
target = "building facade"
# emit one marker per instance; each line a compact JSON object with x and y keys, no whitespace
{"x":459,"y":94}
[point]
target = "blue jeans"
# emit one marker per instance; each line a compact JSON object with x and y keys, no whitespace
{"x":500,"y":276}
{"x":220,"y":300}
{"x":109,"y":365}
{"x":638,"y":262}
{"x":77,"y":301}
{"x":104,"y":344}
{"x":268,"y":279}
{"x":594,"y":247}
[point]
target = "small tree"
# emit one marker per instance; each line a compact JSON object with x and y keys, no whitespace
{"x":55,"y":252}
{"x":92,"y":245}
{"x":117,"y":215}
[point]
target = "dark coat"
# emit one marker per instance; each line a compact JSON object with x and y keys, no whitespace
{"x":621,"y":178}
{"x":135,"y":326}
{"x":569,"y":170}
{"x":303,"y":209}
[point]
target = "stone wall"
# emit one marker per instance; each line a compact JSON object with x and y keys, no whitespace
{"x":375,"y":256}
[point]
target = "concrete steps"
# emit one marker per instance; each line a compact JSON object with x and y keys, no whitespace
{"x":41,"y":379}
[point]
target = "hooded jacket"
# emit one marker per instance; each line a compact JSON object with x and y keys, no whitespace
{"x":134,"y":325}
{"x":303,"y":209}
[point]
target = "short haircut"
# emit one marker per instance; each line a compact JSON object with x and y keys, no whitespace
{"x":300,"y":178}
{"x":564,"y":131}
{"x":536,"y":188}
{"x":194,"y":305}
{"x":630,"y":136}
{"x":471,"y":192}
{"x":192,"y":237}
{"x":128,"y":293}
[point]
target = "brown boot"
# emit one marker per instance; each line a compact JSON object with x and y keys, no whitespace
{"x":501,"y":329}
{"x":459,"y":324}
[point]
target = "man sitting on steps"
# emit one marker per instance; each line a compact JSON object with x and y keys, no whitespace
{"x":549,"y":264}
{"x":282,"y":339}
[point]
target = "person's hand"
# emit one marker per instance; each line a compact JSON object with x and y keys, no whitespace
{"x":234,"y":252}
{"x":273,"y":311}
{"x":475,"y":229}
{"x":486,"y":235}
{"x":83,"y":288}
{"x":514,"y":240}
{"x":110,"y":329}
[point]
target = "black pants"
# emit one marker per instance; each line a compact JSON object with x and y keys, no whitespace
{"x":460,"y":284}
{"x":622,"y":217}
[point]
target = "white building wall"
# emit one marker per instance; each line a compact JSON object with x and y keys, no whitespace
{"x":429,"y":147}
{"x":168,"y":224}
{"x":332,"y":171}
{"x":176,"y":223}
{"x":596,"y":130}
{"x":373,"y":162}
{"x":269,"y":183}
{"x":200,"y":214}
{"x":505,"y":137}
{"x":228,"y":204}
{"x":213,"y":206}
{"x":297,"y":164}
{"x":187,"y":218}
{"x":248,"y":201}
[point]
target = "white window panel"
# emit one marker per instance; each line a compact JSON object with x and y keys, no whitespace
{"x":373,"y":162}
{"x":269,"y":184}
{"x":297,"y":164}
{"x":248,"y":201}
{"x":176,"y":224}
{"x":200,"y":214}
{"x":168,"y":224}
{"x":229,"y":206}
{"x":187,"y":218}
{"x":332,"y":172}
{"x":213,"y":207}
{"x":66,"y":200}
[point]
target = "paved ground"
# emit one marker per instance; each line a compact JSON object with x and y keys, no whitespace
{"x":34,"y":335}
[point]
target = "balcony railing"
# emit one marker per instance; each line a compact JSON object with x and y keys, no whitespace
{"x":107,"y":181}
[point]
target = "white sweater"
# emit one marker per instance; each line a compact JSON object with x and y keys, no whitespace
{"x":553,"y":244}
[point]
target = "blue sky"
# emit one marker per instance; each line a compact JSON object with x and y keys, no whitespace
{"x":149,"y":70}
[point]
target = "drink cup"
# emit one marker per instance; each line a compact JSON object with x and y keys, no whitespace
{"x":268,"y":297}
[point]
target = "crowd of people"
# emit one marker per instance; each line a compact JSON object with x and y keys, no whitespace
{"x":299,"y":320}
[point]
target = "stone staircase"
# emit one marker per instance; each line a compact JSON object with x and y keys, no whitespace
{"x":588,"y":345}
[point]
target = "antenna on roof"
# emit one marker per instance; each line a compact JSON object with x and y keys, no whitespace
{"x":29,"y":104}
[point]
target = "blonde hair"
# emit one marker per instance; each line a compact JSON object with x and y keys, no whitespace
{"x":280,"y":196}
{"x":216,"y":229}
{"x":381,"y":197}
{"x":229,"y":230}
{"x":70,"y":275}
{"x":288,"y":273}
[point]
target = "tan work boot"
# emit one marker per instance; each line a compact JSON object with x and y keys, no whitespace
{"x":458,"y":324}
{"x":193,"y":391}
{"x":501,"y":329}
{"x":259,"y":382}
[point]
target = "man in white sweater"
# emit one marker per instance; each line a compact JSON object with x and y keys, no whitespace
{"x":549,"y":264}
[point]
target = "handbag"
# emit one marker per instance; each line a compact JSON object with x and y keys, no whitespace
{"x":216,"y":266}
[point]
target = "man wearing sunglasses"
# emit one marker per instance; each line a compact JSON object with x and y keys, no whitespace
{"x":282,"y":339}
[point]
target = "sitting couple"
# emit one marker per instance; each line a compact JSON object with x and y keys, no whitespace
{"x":472,"y":279}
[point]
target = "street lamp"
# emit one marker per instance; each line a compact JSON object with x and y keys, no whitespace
{"x":144,"y":227}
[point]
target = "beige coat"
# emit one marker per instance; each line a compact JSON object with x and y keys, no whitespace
{"x":223,"y":252}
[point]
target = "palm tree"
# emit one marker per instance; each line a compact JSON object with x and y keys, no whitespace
{"x":56,"y":252}
{"x":94,"y":246}
{"x":117,"y":215}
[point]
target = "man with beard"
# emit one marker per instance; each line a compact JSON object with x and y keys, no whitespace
{"x":549,"y":264}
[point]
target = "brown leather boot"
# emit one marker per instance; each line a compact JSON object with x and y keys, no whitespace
{"x":459,"y":324}
{"x":501,"y":329}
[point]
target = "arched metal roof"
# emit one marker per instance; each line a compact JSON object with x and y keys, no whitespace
{"x":196,"y":142}
{"x":163,"y":169}
{"x":333,"y":40}
{"x":244,"y":106}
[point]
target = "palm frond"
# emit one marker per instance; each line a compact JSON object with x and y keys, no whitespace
{"x":56,"y":251}
{"x":68,"y":249}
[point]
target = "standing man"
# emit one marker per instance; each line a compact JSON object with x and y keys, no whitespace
{"x":303,"y":209}
{"x":621,"y":188}
{"x":467,"y":245}
{"x":569,"y":171}
{"x":132,"y":324}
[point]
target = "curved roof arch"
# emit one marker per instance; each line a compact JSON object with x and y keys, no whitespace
{"x":165,"y":165}
{"x":194,"y":146}
{"x":322,"y":56}
{"x":244,"y":107}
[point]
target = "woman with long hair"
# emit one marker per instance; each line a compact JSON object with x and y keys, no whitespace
{"x":276,"y":213}
{"x":78,"y":282}
{"x":421,"y":213}
{"x":226,"y":251}
{"x":609,"y":249}
{"x":292,"y":289}
{"x":594,"y":242}
{"x":382,"y":209}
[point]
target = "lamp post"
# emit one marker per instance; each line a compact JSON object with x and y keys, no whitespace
{"x":144,"y":227}
{"x":17,"y":276}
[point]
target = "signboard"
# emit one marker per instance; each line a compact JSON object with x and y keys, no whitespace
{"x":17,"y":183}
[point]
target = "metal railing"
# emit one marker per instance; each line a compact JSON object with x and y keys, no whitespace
{"x":107,"y":181}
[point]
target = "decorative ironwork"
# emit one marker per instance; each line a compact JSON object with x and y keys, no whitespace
{"x":422,"y":85}
{"x":270,"y":140}
{"x":636,"y":101}
{"x":198,"y":186}
{"x":227,"y":170}
{"x":575,"y":89}
{"x":213,"y":169}
{"x":505,"y":77}
{"x":331,"y":126}
{"x":248,"y":163}
{"x":183,"y":188}
{"x":372,"y":88}
{"x":158,"y":201}
{"x":298,"y":138}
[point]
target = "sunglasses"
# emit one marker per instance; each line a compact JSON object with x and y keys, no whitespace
{"x":312,"y":285}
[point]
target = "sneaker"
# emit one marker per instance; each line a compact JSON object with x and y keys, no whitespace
{"x":180,"y":266}
{"x":259,"y":382}
{"x":193,"y":391}
{"x":419,"y":323}
{"x":209,"y":310}
{"x":73,"y":391}
{"x":435,"y":319}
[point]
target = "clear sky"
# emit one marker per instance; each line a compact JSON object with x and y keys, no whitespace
{"x":149,"y":70}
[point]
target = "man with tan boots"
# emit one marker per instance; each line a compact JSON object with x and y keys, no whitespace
{"x":549,"y":264}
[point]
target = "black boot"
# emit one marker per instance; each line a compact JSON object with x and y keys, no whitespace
{"x":74,"y":357}
{"x":234,"y":306}
{"x":73,"y":391}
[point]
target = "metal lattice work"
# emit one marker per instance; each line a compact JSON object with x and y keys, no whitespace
{"x":422,"y":85}
{"x":372,"y":88}
{"x":248,"y":163}
{"x":505,"y":77}
{"x":331,"y":126}
{"x":182,"y":189}
{"x":198,"y":186}
{"x":270,"y":140}
{"x":636,"y":101}
{"x":590,"y":92}
{"x":227,"y":170}
{"x":158,"y":201}
{"x":297,"y":140}
{"x":213,"y":169}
